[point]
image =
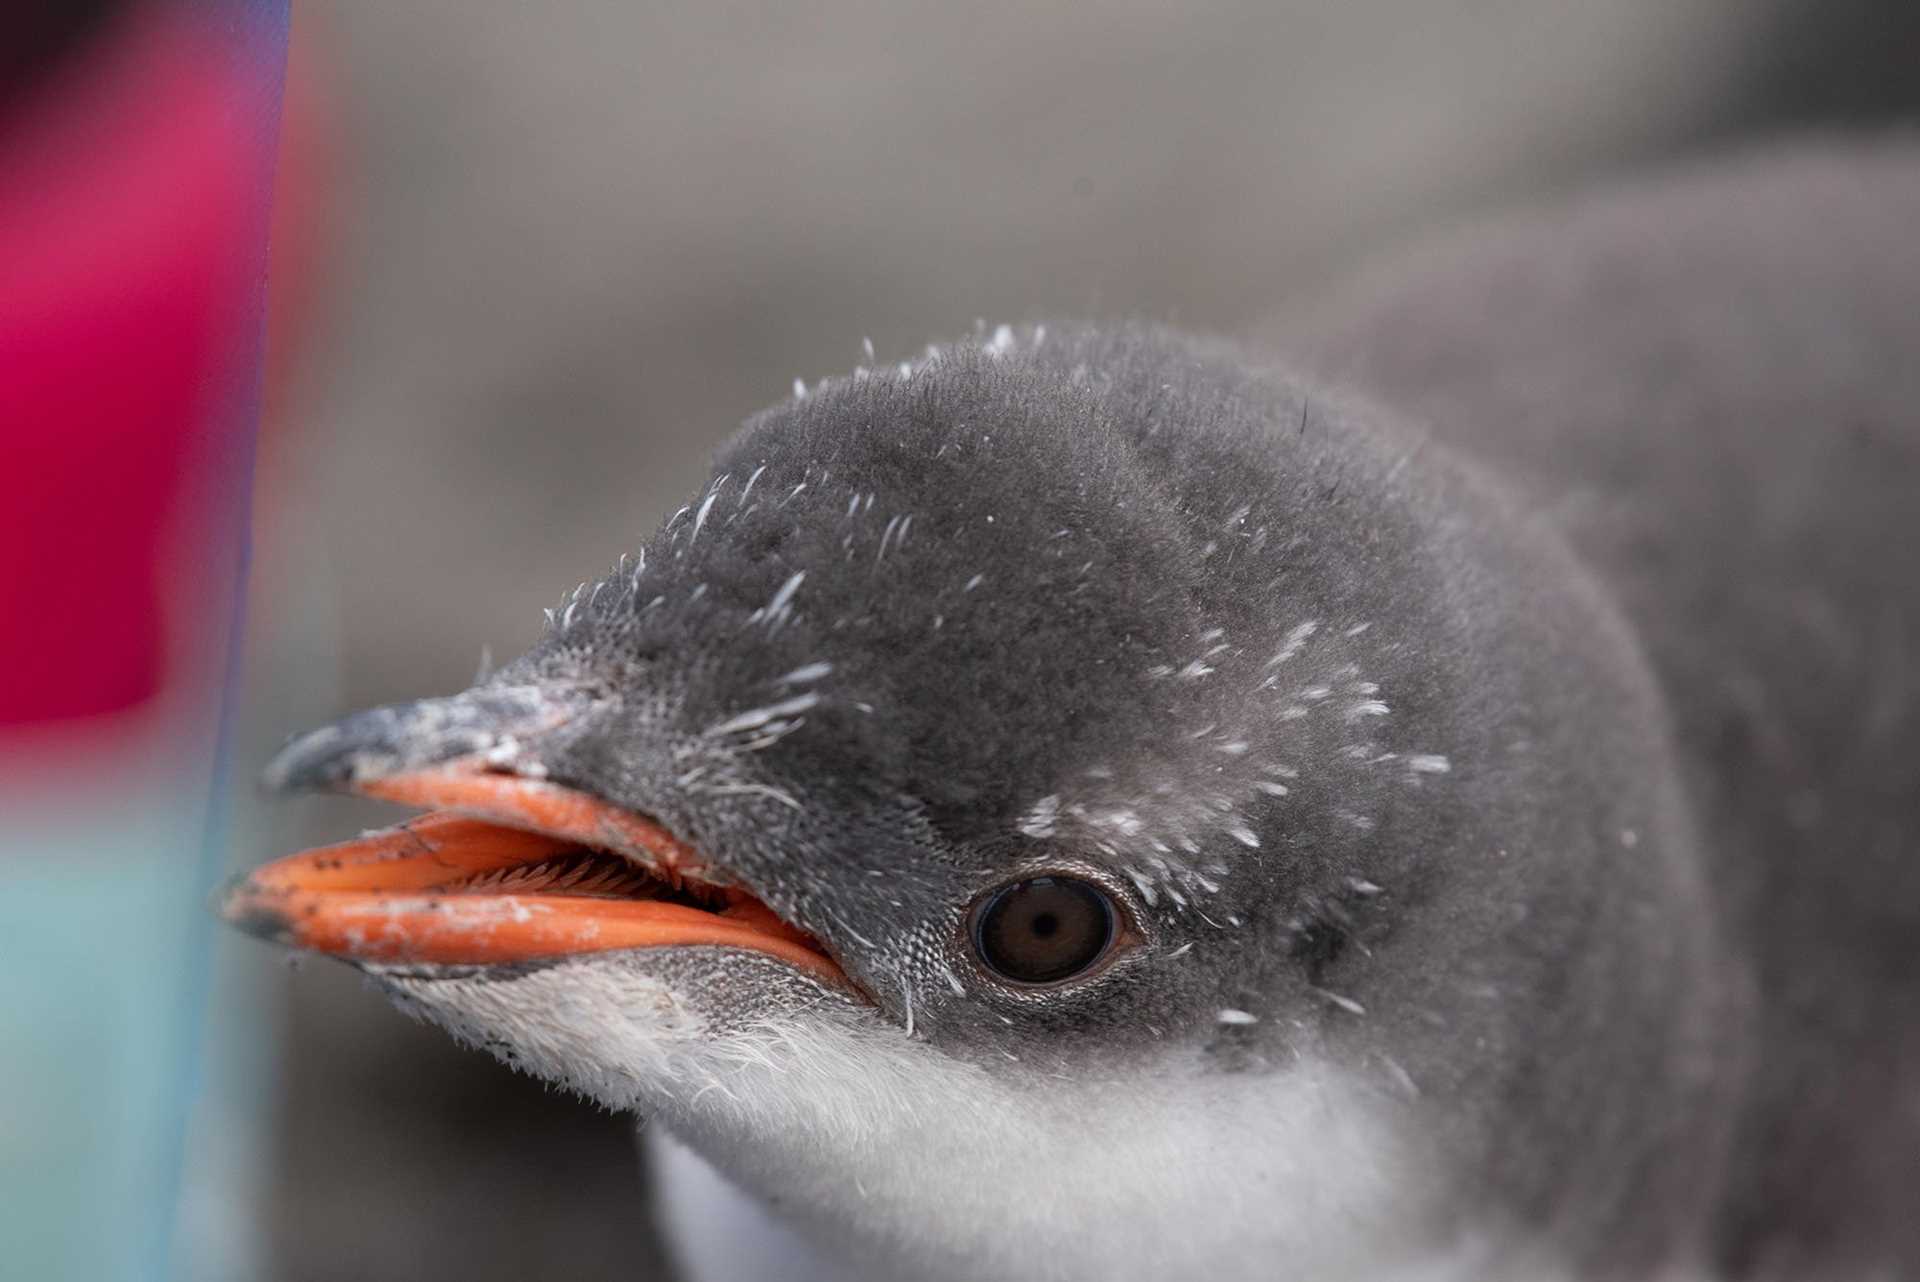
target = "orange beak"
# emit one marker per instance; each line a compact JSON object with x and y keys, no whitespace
{"x":506,"y":869}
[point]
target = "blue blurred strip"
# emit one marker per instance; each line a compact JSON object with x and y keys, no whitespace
{"x":259,"y":31}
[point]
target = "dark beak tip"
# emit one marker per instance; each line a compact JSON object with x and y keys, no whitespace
{"x":318,"y":759}
{"x":298,"y":768}
{"x":380,"y":742}
{"x":335,"y":757}
{"x":241,"y":907}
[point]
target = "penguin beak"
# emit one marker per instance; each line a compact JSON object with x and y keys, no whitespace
{"x":502,"y":869}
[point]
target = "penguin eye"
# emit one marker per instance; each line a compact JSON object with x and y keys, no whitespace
{"x":1043,"y":929}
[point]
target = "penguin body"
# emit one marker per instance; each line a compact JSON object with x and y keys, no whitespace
{"x":1091,"y":802}
{"x":1706,"y":388}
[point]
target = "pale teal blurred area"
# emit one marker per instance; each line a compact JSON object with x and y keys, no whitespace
{"x":125,"y":1104}
{"x":90,"y":1003}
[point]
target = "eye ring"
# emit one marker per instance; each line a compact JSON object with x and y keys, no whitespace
{"x":1043,"y":930}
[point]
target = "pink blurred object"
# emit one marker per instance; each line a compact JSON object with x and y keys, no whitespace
{"x":128,"y":196}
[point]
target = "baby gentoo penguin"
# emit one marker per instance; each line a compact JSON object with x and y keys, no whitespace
{"x":1090,"y":803}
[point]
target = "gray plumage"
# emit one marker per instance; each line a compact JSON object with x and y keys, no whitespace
{"x":1708,"y":389}
{"x":1496,"y":714}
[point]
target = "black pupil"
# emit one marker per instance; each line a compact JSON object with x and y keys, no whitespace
{"x":1043,"y":929}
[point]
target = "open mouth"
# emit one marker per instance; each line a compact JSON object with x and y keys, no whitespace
{"x":506,"y":869}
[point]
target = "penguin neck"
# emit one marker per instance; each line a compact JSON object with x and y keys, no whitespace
{"x":890,"y":1159}
{"x":1576,"y":951}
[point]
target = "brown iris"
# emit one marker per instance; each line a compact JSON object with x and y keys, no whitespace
{"x":1043,"y":930}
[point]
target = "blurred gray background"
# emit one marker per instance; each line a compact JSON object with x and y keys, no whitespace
{"x":568,"y":246}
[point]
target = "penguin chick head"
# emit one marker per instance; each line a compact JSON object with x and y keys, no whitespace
{"x":982,"y":794}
